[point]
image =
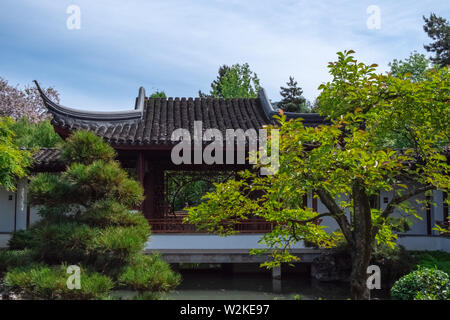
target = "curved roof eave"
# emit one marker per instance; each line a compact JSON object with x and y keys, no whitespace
{"x":56,"y":108}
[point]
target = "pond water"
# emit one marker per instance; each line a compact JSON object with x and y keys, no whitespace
{"x":211,"y":285}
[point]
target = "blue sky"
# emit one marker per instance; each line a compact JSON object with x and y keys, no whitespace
{"x":177,"y":46}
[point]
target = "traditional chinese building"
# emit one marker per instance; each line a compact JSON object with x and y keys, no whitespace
{"x":142,"y":137}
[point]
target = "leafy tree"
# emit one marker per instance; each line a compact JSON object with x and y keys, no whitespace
{"x":237,"y":81}
{"x":35,"y":135}
{"x":215,"y":84}
{"x":13,"y":160}
{"x":292,"y":101}
{"x":87,"y":221}
{"x":438,"y":29}
{"x":158,"y":94}
{"x":17,"y":103}
{"x":344,"y":164}
{"x":414,"y":67}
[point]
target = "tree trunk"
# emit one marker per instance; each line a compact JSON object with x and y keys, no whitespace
{"x":358,"y":277}
{"x":362,"y":242}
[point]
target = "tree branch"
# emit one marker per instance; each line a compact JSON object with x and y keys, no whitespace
{"x":337,"y":213}
{"x":312,"y":219}
{"x":399,"y":199}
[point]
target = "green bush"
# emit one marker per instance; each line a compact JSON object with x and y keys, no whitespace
{"x":85,"y":147}
{"x":45,"y":282}
{"x":422,"y":284}
{"x":63,"y":242}
{"x":149,"y":273}
{"x":433,"y":259}
{"x":14,"y":258}
{"x":393,"y":262}
{"x":20,"y":240}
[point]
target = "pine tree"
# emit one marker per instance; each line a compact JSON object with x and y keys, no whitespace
{"x":87,"y":220}
{"x":438,"y":29}
{"x":293,"y":101}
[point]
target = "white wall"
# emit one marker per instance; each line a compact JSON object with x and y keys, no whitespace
{"x":7,"y":205}
{"x":421,"y":243}
{"x":207,"y":241}
{"x":4,"y":238}
{"x":13,"y":211}
{"x":21,"y":205}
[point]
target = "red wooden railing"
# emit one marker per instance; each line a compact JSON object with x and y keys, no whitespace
{"x":176,"y":225}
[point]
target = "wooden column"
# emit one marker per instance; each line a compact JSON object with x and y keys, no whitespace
{"x":154,"y":193}
{"x":444,"y":207}
{"x":428,"y":213}
{"x":305,"y":201}
{"x":314,"y":202}
{"x":140,"y":167}
{"x":140,"y":170}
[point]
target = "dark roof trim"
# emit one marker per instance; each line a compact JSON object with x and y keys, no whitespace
{"x":269,"y":111}
{"x":135,"y":114}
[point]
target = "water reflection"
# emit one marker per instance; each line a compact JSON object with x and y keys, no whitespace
{"x":211,"y":285}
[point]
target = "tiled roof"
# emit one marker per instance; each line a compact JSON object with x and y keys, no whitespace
{"x":47,"y":159}
{"x":154,"y":119}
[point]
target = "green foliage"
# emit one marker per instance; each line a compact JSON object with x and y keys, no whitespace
{"x":13,"y":160}
{"x":393,"y":262}
{"x":120,"y":242}
{"x":45,"y":282}
{"x":237,"y":81}
{"x":345,"y":164}
{"x":434,"y":259}
{"x":422,"y":284}
{"x":86,"y":184}
{"x":108,"y":213}
{"x":149,"y":273}
{"x":62,"y":242}
{"x":438,"y":29}
{"x":35,"y":135}
{"x":183,"y":187}
{"x":83,"y":147}
{"x":87,"y":220}
{"x":14,"y":258}
{"x":49,"y":189}
{"x":413,"y":67}
{"x":20,"y":240}
{"x":101,"y":179}
{"x":292,"y":101}
{"x":158,"y":94}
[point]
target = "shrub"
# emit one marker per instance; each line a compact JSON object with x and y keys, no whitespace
{"x":85,"y":147}
{"x":127,"y":239}
{"x":14,"y":258}
{"x":45,"y":282}
{"x":63,"y":242}
{"x":393,"y":262}
{"x":434,"y":259}
{"x":422,"y":284}
{"x":20,"y":240}
{"x":148,"y":273}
